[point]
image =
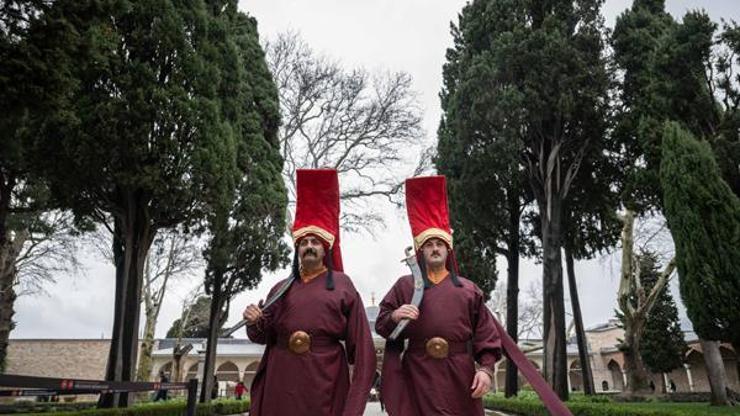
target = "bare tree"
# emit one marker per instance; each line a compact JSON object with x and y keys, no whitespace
{"x":181,"y":350}
{"x":635,"y":302}
{"x":174,"y":255}
{"x":361,"y":124}
{"x":49,"y":250}
{"x":40,"y":248}
{"x":530,"y":309}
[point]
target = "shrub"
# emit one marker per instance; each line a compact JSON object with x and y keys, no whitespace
{"x":532,"y":407}
{"x":170,"y":408}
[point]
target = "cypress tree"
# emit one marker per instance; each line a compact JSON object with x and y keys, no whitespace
{"x":704,"y":217}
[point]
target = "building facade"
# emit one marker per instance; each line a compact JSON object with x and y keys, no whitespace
{"x":238,"y":359}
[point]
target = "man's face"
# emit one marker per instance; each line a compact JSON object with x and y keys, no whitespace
{"x":435,"y":252}
{"x":310,"y":251}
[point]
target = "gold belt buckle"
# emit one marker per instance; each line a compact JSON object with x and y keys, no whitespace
{"x":299,"y":342}
{"x":438,"y":348}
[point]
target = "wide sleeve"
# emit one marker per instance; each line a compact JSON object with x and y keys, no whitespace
{"x":360,"y":353}
{"x":384,"y":324}
{"x":486,"y":339}
{"x":261,"y":331}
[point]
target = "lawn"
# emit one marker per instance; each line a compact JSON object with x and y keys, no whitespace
{"x":580,"y":405}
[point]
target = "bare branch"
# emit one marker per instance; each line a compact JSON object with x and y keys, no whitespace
{"x":49,"y":249}
{"x":665,"y":277}
{"x":530,"y":309}
{"x":363,"y":125}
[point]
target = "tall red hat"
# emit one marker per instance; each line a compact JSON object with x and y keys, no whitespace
{"x":317,"y":209}
{"x":426,"y":203}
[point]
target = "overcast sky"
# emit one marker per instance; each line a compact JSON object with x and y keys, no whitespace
{"x":395,"y":35}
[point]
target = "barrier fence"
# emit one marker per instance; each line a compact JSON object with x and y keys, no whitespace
{"x":24,"y":386}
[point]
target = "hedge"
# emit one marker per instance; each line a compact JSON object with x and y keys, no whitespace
{"x":532,"y":407}
{"x":171,"y":408}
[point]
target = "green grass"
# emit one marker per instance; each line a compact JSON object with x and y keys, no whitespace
{"x":685,"y":408}
{"x":580,"y":405}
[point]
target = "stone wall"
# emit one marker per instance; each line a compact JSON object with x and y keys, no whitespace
{"x":73,"y":358}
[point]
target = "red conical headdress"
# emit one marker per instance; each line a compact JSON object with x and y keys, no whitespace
{"x":317,"y":209}
{"x":426,"y":203}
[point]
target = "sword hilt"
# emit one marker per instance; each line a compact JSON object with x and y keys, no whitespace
{"x":225,"y":333}
{"x":410,"y":256}
{"x":234,"y":328}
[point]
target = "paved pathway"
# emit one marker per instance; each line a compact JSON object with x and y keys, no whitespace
{"x":373,"y":409}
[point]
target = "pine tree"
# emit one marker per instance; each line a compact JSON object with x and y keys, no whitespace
{"x":663,"y":346}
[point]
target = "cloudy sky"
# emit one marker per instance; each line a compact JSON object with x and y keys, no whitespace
{"x":394,"y":35}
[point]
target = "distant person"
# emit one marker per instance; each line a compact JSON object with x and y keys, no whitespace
{"x":214,"y":389}
{"x":240,"y":390}
{"x":162,"y":393}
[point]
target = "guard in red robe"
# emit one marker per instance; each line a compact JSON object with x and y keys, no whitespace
{"x":318,"y":328}
{"x":453,"y":343}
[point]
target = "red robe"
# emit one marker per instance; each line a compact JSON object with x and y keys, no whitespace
{"x":316,"y":382}
{"x":419,"y":385}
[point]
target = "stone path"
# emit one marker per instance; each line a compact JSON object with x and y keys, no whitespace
{"x":373,"y":409}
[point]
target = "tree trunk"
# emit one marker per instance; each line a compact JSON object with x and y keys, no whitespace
{"x":586,"y":374}
{"x":131,"y":242}
{"x":177,"y":356}
{"x":9,"y":252}
{"x":7,"y":301}
{"x":555,"y":358}
{"x":144,"y":371}
{"x":512,"y":293}
{"x":736,"y":347}
{"x":715,"y":372}
{"x":638,"y":379}
{"x":214,"y":328}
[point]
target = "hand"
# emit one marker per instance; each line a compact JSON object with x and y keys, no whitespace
{"x":252,"y":314}
{"x":405,"y":312}
{"x":481,"y":384}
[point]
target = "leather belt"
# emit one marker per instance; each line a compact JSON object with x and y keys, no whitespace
{"x":438,"y":347}
{"x":300,"y":342}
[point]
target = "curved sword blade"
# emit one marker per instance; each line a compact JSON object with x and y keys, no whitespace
{"x":418,"y":294}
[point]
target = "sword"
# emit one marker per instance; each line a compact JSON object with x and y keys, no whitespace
{"x":280,"y":292}
{"x":410,"y":261}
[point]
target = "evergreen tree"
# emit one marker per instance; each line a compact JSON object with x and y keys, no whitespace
{"x":33,"y":96}
{"x":663,"y":346}
{"x":680,"y":71}
{"x":197,"y":321}
{"x":704,"y":217}
{"x":158,"y":118}
{"x":525,"y":98}
{"x":247,"y":223}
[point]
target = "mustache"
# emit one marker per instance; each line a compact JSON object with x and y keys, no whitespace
{"x":310,"y":251}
